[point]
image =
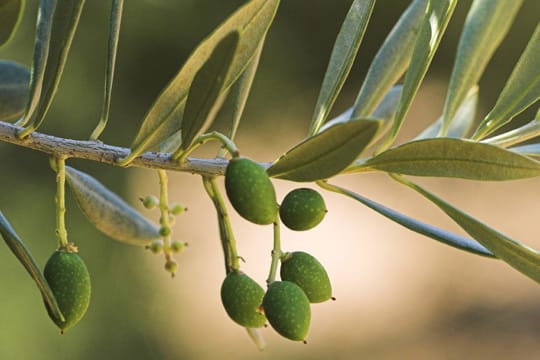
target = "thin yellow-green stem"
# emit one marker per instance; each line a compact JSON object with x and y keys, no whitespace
{"x":164,"y":209}
{"x":61,"y":232}
{"x":277,"y":253}
{"x":181,"y":155}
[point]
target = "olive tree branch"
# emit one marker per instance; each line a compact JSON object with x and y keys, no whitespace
{"x":107,"y":154}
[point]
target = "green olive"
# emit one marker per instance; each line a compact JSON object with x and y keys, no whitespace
{"x":307,"y":272}
{"x":242,"y":297}
{"x":302,"y":209}
{"x":250,"y":191}
{"x":69,"y":280}
{"x":287,"y":308}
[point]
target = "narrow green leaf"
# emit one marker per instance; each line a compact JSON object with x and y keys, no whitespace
{"x":10,"y":15}
{"x":341,"y":60}
{"x":327,"y":153}
{"x":41,"y":52}
{"x":164,"y":118}
{"x":16,"y":245}
{"x":522,"y":89}
{"x":417,"y":226}
{"x":461,"y":123}
{"x":14,"y":80}
{"x":436,"y":19}
{"x":64,"y":24}
{"x":515,"y":136}
{"x":527,"y":150}
{"x":486,"y":26}
{"x":391,"y":60}
{"x":108,"y":212}
{"x":207,"y":93}
{"x":521,"y":257}
{"x":448,"y":157}
{"x":114,"y":36}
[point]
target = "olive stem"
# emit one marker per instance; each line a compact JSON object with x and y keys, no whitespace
{"x":228,"y":242}
{"x":277,"y":253}
{"x":61,"y":232}
{"x":164,"y":209}
{"x":181,"y":155}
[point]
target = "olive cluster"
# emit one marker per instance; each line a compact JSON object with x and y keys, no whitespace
{"x":303,"y":280}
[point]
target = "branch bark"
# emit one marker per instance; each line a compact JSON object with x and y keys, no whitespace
{"x":108,"y":154}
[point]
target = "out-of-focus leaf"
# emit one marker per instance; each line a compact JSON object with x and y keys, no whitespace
{"x":522,"y":89}
{"x":391,"y":60}
{"x":24,"y":256}
{"x":516,"y":136}
{"x":327,"y":153}
{"x":14,"y":80}
{"x":436,"y":19}
{"x":10,"y":16}
{"x":343,"y":54}
{"x":460,"y":124}
{"x":417,"y":226}
{"x":62,"y":30}
{"x":114,"y":36}
{"x":527,"y":150}
{"x":206,"y":93}
{"x":486,"y":26}
{"x":108,"y":212}
{"x":385,"y":111}
{"x":164,"y":118}
{"x":448,"y":157}
{"x":521,"y":257}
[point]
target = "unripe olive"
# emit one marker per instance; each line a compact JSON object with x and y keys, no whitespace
{"x":302,"y":209}
{"x":164,"y":231}
{"x":177,"y":246}
{"x":69,"y":281}
{"x":250,"y":191}
{"x":150,"y":202}
{"x":171,"y":266}
{"x":177,"y":209}
{"x":242,"y":297}
{"x":156,"y":246}
{"x":307,"y":272}
{"x":287,"y":308}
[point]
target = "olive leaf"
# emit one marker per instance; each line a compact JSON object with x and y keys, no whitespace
{"x":436,"y":19}
{"x":343,"y":54}
{"x":50,"y":55}
{"x":108,"y":212}
{"x":164,"y":118}
{"x":114,"y":36}
{"x":528,"y":150}
{"x":412,"y":224}
{"x":14,"y":80}
{"x":10,"y":15}
{"x":327,"y":153}
{"x":206,"y":93}
{"x":486,"y":26}
{"x":460,"y":124}
{"x":521,"y":257}
{"x":522,"y":89}
{"x":16,"y":245}
{"x":449,"y":157}
{"x":391,"y":60}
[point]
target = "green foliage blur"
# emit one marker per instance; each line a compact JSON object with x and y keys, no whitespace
{"x":136,"y":308}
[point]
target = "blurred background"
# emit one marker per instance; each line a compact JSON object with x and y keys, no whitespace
{"x":399,"y":295}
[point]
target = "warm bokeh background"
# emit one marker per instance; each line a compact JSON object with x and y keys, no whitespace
{"x":400,"y":295}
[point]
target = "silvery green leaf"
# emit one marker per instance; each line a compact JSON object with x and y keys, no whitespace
{"x":50,"y":57}
{"x":486,"y":26}
{"x":460,"y":124}
{"x":522,"y":89}
{"x":108,"y":212}
{"x":164,"y":118}
{"x":19,"y":249}
{"x":343,"y":54}
{"x":436,"y":19}
{"x":448,"y":157}
{"x":14,"y":80}
{"x":391,"y":60}
{"x":326,"y":154}
{"x":521,"y":257}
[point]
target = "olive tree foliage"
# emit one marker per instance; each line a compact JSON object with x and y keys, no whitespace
{"x":360,"y":140}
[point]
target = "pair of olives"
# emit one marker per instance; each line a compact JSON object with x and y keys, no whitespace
{"x":252,"y":195}
{"x":286,"y":303}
